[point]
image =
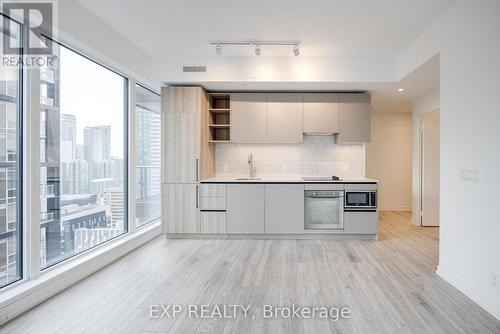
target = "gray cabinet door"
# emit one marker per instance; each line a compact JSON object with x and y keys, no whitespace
{"x":284,"y":212}
{"x":248,"y":118}
{"x":360,"y":222}
{"x":284,"y":118}
{"x":182,"y":147}
{"x":245,"y":209}
{"x":321,"y":113}
{"x":179,"y":212}
{"x":355,"y":118}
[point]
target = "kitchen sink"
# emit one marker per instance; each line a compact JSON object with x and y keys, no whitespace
{"x":249,"y":178}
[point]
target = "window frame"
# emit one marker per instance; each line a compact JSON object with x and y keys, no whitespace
{"x":29,"y":192}
{"x":135,"y":157}
{"x":20,"y":240}
{"x":126,"y":158}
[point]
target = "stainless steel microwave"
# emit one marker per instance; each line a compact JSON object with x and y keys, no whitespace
{"x":360,"y":200}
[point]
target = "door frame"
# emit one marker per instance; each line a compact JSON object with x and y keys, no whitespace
{"x":421,"y":165}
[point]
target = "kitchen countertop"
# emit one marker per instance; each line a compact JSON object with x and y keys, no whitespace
{"x":280,"y":179}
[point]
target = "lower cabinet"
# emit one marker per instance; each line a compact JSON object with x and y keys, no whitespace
{"x":245,"y":208}
{"x":360,"y":222}
{"x":284,"y":212}
{"x":180,"y":208}
{"x":212,"y":222}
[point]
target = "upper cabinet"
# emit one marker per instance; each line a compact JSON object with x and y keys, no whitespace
{"x":266,"y":118}
{"x":284,"y":118}
{"x":355,"y":118}
{"x":321,"y":113}
{"x":248,"y":118}
{"x":182,"y":99}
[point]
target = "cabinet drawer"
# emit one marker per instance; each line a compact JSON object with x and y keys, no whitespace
{"x":216,"y":190}
{"x":360,"y":222}
{"x":212,"y":203}
{"x":213,"y":222}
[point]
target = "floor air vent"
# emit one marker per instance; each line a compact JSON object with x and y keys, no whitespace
{"x":194,"y":68}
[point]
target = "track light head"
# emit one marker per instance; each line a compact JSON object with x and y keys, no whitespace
{"x":218,"y":50}
{"x":257,"y":50}
{"x":296,"y":51}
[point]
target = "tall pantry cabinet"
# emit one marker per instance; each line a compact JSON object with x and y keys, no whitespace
{"x":182,"y":109}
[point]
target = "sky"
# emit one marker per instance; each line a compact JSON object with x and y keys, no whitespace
{"x":94,"y":94}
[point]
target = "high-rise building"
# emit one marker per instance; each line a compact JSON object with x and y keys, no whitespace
{"x":68,"y":137}
{"x":8,"y":178}
{"x":97,"y":143}
{"x":148,"y":161}
{"x":113,"y":198}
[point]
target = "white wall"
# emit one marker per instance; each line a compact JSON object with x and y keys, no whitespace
{"x":317,"y":155}
{"x":467,"y":39}
{"x":389,"y":158}
{"x":422,"y":104}
{"x":87,"y":33}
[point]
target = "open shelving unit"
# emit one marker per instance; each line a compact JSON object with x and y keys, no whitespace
{"x":219,"y":117}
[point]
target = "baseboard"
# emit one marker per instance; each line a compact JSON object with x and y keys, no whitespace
{"x":488,"y":304}
{"x":395,"y":208}
{"x":28,"y":294}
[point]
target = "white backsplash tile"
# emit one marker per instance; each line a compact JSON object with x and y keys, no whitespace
{"x":317,"y":155}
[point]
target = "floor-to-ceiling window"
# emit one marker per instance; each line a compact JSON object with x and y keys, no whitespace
{"x":148,"y":155}
{"x":82,"y":159}
{"x":10,"y":157}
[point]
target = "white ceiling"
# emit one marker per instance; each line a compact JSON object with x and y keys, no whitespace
{"x":325,"y":27}
{"x":380,"y":29}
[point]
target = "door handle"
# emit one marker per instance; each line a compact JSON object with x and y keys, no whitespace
{"x":197,"y":196}
{"x":196,"y":169}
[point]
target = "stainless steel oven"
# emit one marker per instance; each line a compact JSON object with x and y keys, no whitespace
{"x":323,"y":210}
{"x":360,"y":201}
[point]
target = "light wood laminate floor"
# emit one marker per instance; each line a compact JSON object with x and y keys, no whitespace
{"x":389,"y":285}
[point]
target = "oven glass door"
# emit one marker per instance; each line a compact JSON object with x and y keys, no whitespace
{"x":324,"y":213}
{"x":357,"y":199}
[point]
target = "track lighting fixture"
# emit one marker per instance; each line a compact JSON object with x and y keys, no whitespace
{"x":257,"y":50}
{"x":257,"y":44}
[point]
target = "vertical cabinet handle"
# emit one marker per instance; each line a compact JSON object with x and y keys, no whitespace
{"x":197,"y":162}
{"x":197,"y":196}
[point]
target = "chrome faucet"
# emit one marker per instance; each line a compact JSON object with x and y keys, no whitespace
{"x":251,"y":167}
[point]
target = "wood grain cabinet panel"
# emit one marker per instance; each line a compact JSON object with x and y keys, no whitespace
{"x":182,"y":148}
{"x":248,"y":118}
{"x":179,"y":212}
{"x":213,"y":222}
{"x":321,"y":113}
{"x":355,"y":118}
{"x":182,"y":99}
{"x":284,"y":118}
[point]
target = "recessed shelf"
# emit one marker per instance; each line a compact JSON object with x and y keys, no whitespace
{"x":219,"y":126}
{"x":219,"y":141}
{"x":219,"y":111}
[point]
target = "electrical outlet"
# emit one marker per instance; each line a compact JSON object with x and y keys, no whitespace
{"x":226,"y":168}
{"x":469,"y":175}
{"x":494,"y":279}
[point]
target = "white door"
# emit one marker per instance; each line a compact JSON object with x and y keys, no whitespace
{"x":430,"y":169}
